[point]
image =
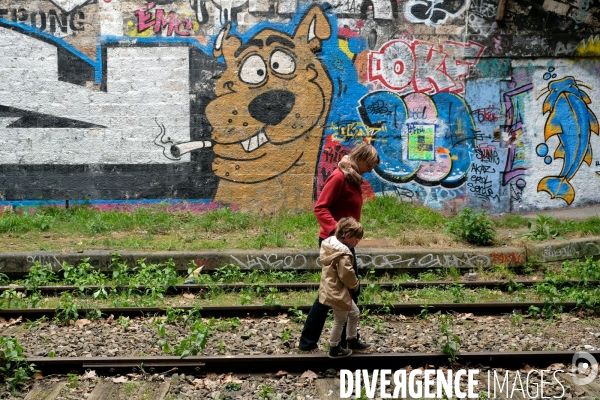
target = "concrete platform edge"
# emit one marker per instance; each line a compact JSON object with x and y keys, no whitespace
{"x":18,"y":263}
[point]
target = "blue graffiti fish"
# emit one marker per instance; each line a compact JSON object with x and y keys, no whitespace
{"x":572,"y":120}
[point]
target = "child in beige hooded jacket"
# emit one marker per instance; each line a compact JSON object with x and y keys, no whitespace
{"x":337,"y":279}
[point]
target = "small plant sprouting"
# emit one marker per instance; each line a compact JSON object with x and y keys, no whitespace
{"x":84,"y":274}
{"x":39,"y":275}
{"x":272,"y":298}
{"x":424,"y":313}
{"x":196,"y":342}
{"x":66,"y":310}
{"x":32,"y":324}
{"x":265,"y":392}
{"x":286,"y":335}
{"x":533,"y":311}
{"x":367,"y":293}
{"x":124,"y":322}
{"x":245,"y":299}
{"x":451,"y":345}
{"x":173,"y":315}
{"x":512,"y":286}
{"x":472,"y":227}
{"x":516,"y":319}
{"x":221,"y":347}
{"x":4,"y":279}
{"x":8,"y":296}
{"x":379,"y":325}
{"x":545,"y":228}
{"x":297,"y":315}
{"x":363,"y":395}
{"x":458,"y":292}
{"x":233,"y":386}
{"x":73,"y":380}
{"x":16,"y":369}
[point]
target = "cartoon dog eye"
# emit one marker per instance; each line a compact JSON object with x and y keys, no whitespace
{"x":282,"y":62}
{"x":254,"y":70}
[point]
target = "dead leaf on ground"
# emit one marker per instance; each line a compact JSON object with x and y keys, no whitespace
{"x":82,"y":322}
{"x":121,"y":379}
{"x":281,"y":373}
{"x":526,"y":368}
{"x":10,"y":322}
{"x":38,"y":375}
{"x":225,"y":379}
{"x":90,"y":375}
{"x":190,"y":296}
{"x":556,"y":367}
{"x":198,"y":384}
{"x":311,"y":376}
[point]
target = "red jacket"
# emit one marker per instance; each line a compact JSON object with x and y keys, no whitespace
{"x":338,"y":199}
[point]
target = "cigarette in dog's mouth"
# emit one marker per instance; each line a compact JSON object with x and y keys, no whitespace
{"x":177,"y":150}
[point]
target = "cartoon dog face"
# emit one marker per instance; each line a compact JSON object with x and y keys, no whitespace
{"x":272,"y":102}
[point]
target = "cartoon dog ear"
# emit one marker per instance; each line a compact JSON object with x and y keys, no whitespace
{"x":226,"y":44}
{"x":313,"y":28}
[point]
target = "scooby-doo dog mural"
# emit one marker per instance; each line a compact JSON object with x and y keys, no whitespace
{"x":268,"y":116}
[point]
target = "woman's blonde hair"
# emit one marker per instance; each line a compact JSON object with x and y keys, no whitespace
{"x":365,"y":153}
{"x":348,"y":227}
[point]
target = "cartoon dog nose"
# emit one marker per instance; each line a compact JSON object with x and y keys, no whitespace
{"x":272,"y":107}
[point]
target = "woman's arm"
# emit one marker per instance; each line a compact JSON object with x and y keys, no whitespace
{"x":329,"y":196}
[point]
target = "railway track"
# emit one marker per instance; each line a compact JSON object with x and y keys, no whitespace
{"x":259,"y":311}
{"x":153,"y":374}
{"x":495,"y":372}
{"x":294,"y":363}
{"x":387,"y":285}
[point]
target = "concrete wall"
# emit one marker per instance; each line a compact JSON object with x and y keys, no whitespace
{"x":254,"y":102}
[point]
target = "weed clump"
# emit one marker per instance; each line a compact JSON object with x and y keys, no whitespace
{"x":15,"y":371}
{"x":472,"y":227}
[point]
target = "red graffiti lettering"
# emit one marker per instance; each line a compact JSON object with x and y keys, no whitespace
{"x":399,"y":65}
{"x":504,"y":258}
{"x":487,"y":152}
{"x":157,"y":21}
{"x":486,"y":114}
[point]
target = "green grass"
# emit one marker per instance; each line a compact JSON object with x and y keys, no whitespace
{"x":511,"y":221}
{"x":448,"y":294}
{"x":158,"y":227}
{"x":387,"y":215}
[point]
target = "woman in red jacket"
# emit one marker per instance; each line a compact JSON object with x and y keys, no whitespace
{"x":341,"y":197}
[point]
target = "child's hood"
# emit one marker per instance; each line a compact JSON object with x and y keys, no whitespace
{"x":332,"y":248}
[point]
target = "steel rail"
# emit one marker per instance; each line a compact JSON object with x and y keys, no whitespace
{"x":193,"y":288}
{"x":296,"y":363}
{"x":410,"y":309}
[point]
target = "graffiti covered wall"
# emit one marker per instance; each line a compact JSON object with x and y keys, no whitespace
{"x":254,"y":102}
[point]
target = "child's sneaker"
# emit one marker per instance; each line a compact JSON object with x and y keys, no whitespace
{"x":339,"y":352}
{"x":358,"y":345}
